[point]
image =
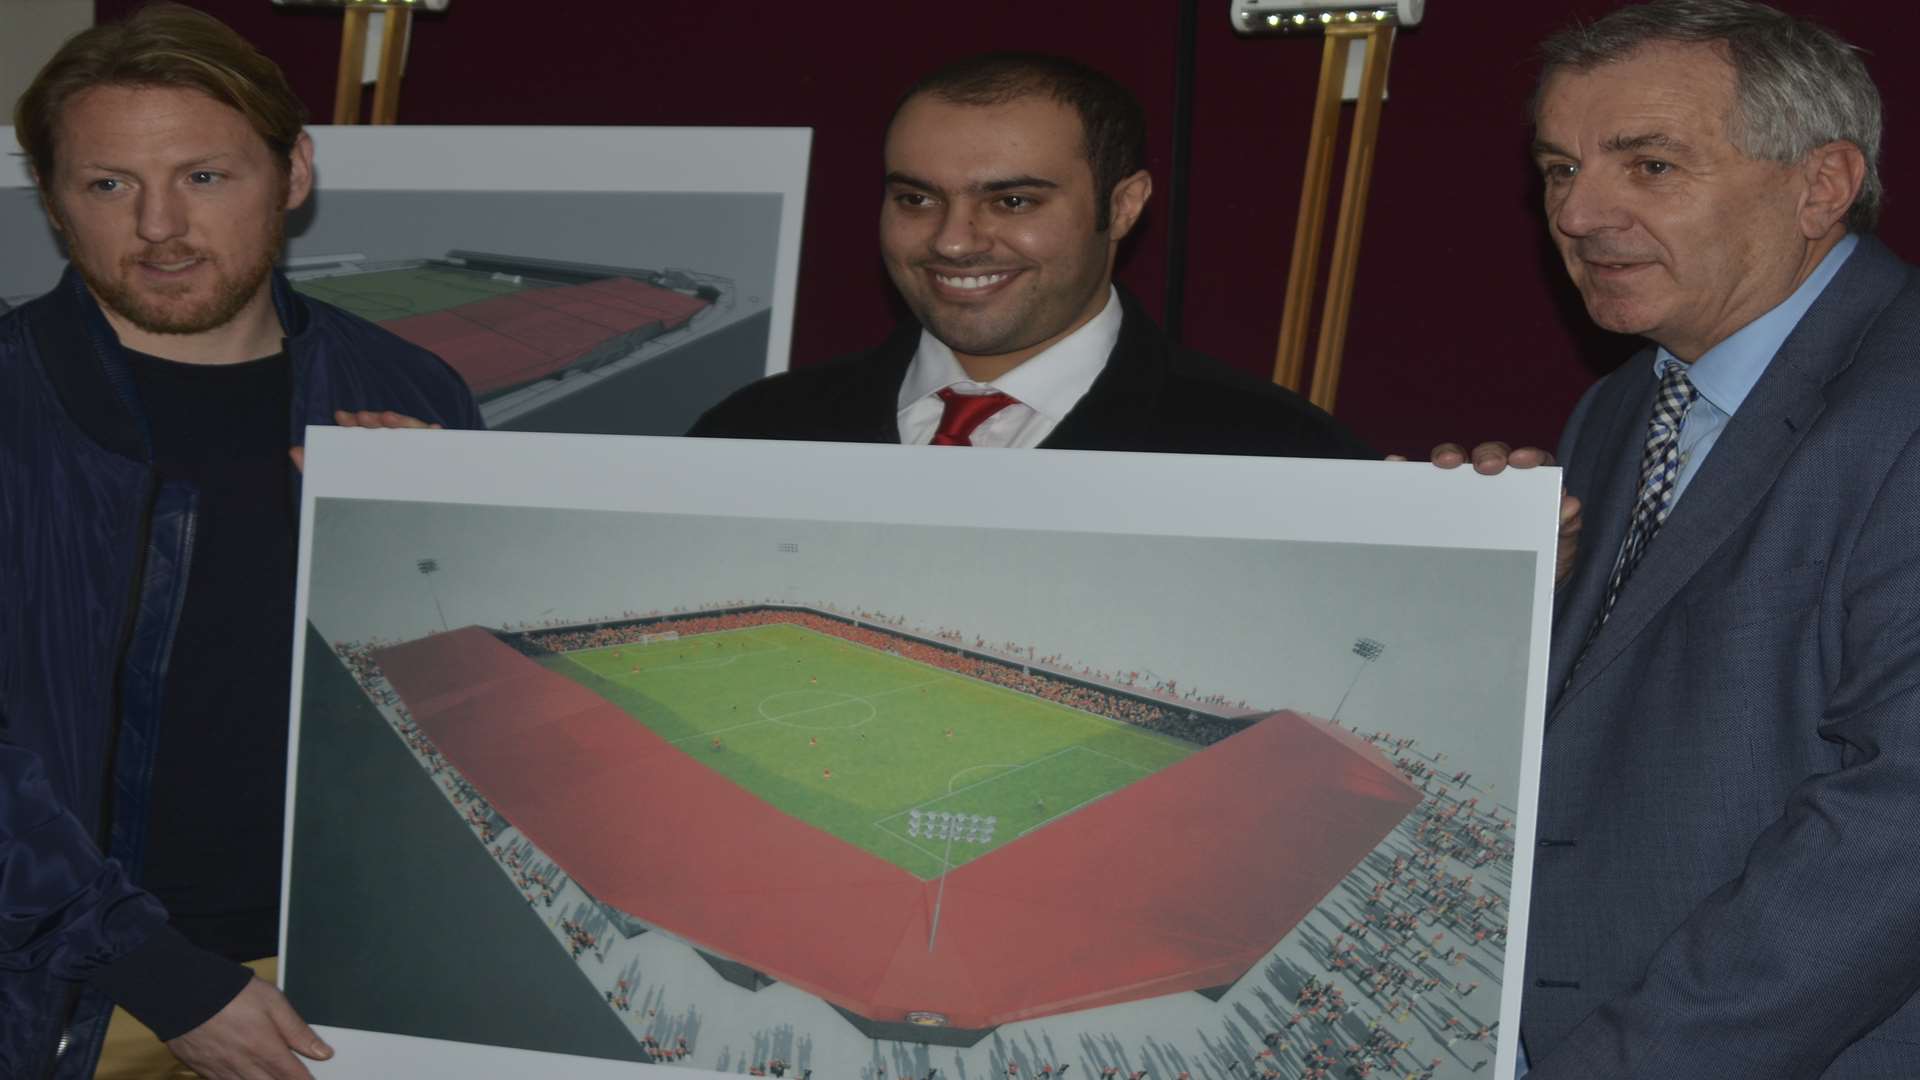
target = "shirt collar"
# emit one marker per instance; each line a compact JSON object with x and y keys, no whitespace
{"x":1725,"y":374}
{"x":1050,"y":383}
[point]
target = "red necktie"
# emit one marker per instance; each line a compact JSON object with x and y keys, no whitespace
{"x":964,"y":413}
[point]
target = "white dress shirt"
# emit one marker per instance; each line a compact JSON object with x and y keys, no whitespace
{"x":1044,"y":388}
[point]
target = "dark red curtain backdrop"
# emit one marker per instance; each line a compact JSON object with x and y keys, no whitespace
{"x":1463,"y":324}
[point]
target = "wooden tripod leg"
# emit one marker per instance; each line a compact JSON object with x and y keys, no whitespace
{"x":1290,"y":356}
{"x":393,"y":52}
{"x":353,"y":48}
{"x":1353,"y":215}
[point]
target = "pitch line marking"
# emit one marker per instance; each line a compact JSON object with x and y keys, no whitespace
{"x":1119,"y":760}
{"x":905,"y":840}
{"x":951,"y":780}
{"x":901,"y":689}
{"x":696,"y":665}
{"x":711,"y":732}
{"x":844,"y":699}
{"x":951,"y":790}
{"x":1061,"y":814}
{"x":765,"y":719}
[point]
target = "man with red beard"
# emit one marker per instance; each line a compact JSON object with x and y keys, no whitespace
{"x":1010,"y":181}
{"x":151,"y":408}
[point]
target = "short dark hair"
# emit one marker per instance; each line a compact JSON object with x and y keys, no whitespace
{"x":163,"y":45}
{"x":1797,"y":84}
{"x":1113,"y":126}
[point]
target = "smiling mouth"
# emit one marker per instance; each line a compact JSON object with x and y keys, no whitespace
{"x":970,"y":282}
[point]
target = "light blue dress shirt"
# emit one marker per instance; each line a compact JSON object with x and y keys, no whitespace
{"x":1725,"y":374}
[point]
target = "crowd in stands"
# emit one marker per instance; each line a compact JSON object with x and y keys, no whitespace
{"x":586,"y":930}
{"x":1143,"y":682}
{"x":538,"y":878}
{"x":1419,"y":922}
{"x":1450,"y":827}
{"x":637,"y":631}
{"x":358,"y":658}
{"x":1166,"y":718}
{"x":620,"y":994}
{"x":525,"y":625}
{"x":657,"y":1052}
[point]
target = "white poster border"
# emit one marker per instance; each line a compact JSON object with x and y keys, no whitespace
{"x":1337,"y":502}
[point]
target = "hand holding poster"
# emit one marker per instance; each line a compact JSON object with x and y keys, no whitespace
{"x":787,"y":759}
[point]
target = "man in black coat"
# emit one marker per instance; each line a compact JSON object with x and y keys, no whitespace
{"x":1011,"y":180}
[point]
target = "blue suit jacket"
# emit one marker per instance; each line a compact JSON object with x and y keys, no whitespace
{"x":1728,"y":879}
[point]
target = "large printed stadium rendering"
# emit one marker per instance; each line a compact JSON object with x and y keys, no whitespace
{"x":937,"y":837}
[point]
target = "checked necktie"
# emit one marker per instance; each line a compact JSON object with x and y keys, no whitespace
{"x":1659,"y":468}
{"x":964,"y":413}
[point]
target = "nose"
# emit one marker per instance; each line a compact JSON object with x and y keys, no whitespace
{"x":1585,"y":204}
{"x":960,"y":235}
{"x":161,"y":215}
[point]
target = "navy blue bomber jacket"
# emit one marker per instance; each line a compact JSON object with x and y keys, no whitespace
{"x":93,"y":557}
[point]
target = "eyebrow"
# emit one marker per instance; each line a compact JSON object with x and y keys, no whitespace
{"x":1620,"y":144}
{"x":205,"y":159}
{"x":1011,"y":183}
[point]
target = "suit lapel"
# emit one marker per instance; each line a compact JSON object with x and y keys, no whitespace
{"x":1115,"y":409}
{"x":1733,"y":480}
{"x":1619,"y":422}
{"x":1744,"y":463}
{"x":866,"y":404}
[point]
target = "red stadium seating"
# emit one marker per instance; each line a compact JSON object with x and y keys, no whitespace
{"x":1181,"y":881}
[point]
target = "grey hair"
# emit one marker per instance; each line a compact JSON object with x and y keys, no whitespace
{"x":1797,"y":85}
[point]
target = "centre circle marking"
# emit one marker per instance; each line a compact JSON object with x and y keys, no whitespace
{"x":834,"y":698}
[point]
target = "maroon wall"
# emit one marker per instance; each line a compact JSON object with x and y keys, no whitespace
{"x":1463,"y":326}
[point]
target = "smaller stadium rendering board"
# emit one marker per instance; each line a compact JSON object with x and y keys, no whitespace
{"x":524,"y":332}
{"x":936,"y":838}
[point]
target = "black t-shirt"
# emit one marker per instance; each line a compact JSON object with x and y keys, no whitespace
{"x":220,"y":771}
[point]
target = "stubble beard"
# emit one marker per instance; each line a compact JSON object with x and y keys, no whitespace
{"x":975,"y":336}
{"x":165,"y":310}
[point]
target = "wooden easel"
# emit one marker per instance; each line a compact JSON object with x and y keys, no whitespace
{"x":1290,"y":356}
{"x":353,"y":48}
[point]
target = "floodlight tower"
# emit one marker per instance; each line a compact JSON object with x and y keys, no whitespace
{"x":429,"y":567}
{"x":943,"y":825}
{"x":1368,"y":650}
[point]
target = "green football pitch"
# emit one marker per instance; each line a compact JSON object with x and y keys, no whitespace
{"x":852,"y":740}
{"x":394,"y":294}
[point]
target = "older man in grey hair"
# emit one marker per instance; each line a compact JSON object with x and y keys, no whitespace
{"x":1728,"y":877}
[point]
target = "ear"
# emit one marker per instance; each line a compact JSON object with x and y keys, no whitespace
{"x":1833,"y":174}
{"x":300,"y":171}
{"x":1129,"y":199}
